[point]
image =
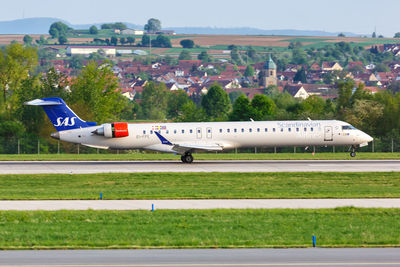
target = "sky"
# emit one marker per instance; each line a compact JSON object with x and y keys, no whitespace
{"x":357,"y":16}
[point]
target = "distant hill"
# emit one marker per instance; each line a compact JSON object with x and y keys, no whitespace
{"x":42,"y":25}
{"x":254,"y":31}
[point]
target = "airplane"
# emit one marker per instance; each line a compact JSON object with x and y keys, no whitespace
{"x":188,"y":137}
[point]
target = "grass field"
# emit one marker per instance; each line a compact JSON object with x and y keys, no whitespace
{"x":344,"y":227}
{"x":201,"y":156}
{"x":200,"y":185}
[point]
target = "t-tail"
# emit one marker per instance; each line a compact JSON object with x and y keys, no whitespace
{"x":62,"y":117}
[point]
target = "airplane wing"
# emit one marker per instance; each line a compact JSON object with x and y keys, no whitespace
{"x":182,"y":148}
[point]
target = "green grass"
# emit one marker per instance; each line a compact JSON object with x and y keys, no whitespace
{"x":200,"y":185}
{"x":342,"y":227}
{"x":201,"y":156}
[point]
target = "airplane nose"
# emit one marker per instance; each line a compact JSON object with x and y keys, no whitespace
{"x":367,"y":138}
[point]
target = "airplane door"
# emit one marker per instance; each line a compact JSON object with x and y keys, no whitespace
{"x":198,"y":133}
{"x":328,"y":133}
{"x":209,"y":133}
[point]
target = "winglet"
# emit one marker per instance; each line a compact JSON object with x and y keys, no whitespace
{"x":162,"y":139}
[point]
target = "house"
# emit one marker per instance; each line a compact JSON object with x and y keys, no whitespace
{"x":315,"y":67}
{"x":297,"y":91}
{"x":331,"y":66}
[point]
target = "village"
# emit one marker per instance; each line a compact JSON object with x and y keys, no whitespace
{"x":192,"y":75}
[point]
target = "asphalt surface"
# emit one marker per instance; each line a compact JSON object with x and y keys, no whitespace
{"x":197,"y":204}
{"x":204,"y":257}
{"x":21,"y":167}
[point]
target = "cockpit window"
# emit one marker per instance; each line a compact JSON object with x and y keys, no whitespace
{"x":348,"y":127}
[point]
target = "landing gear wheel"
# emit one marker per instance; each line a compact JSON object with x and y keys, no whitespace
{"x":353,"y":152}
{"x":187,"y":158}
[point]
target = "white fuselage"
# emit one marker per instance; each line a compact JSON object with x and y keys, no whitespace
{"x":228,"y":135}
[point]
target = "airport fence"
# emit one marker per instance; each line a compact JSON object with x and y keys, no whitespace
{"x":35,"y":145}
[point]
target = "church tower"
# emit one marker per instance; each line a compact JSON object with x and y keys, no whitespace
{"x":270,"y":73}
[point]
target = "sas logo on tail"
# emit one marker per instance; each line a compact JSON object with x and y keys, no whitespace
{"x":65,"y":122}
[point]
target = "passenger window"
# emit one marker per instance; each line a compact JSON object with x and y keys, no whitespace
{"x":220,"y":130}
{"x":289,"y":129}
{"x":183,"y":131}
{"x":258,"y":130}
{"x":151,"y":131}
{"x":174,"y":131}
{"x":281,"y":129}
{"x":167,"y":132}
{"x":266,"y":129}
{"x":144,"y":131}
{"x":305,"y":129}
{"x":297,"y":129}
{"x":209,"y":131}
{"x":273,"y":129}
{"x":250,"y":130}
{"x":200,"y":131}
{"x":312,"y":129}
{"x":235,"y":130}
{"x":242,"y":130}
{"x":228,"y":130}
{"x":191,"y":131}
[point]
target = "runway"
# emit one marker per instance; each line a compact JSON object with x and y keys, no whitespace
{"x":204,"y":257}
{"x":49,"y":205}
{"x":32,"y":167}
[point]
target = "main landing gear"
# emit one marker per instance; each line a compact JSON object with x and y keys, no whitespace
{"x":187,"y":158}
{"x":353,"y":151}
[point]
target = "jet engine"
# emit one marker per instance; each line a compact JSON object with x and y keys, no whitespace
{"x":113,"y":130}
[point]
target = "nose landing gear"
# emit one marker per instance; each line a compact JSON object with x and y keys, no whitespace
{"x":353,"y":151}
{"x":187,"y":158}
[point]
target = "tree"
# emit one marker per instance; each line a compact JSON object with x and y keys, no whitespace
{"x":153,"y":25}
{"x":341,"y":35}
{"x":397,"y":35}
{"x":241,"y":109}
{"x":62,"y":39}
{"x":145,"y":40}
{"x":234,"y":95}
{"x":187,"y":43}
{"x":114,"y":40}
{"x":27,"y":40}
{"x":295,"y":45}
{"x":251,"y":52}
{"x":77,"y":61}
{"x":382,"y":68}
{"x":93,"y":30}
{"x":130,"y":40}
{"x":94,"y":93}
{"x":185,"y":55}
{"x":176,"y":101}
{"x":16,"y":63}
{"x":120,"y":26}
{"x":374,"y":35}
{"x":216,"y":102}
{"x":162,"y":41}
{"x":300,"y":76}
{"x":203,"y":56}
{"x":262,"y":106}
{"x":58,"y":29}
{"x":41,"y":40}
{"x":249,"y":72}
{"x":299,"y":57}
{"x":122,"y":40}
{"x":154,"y":101}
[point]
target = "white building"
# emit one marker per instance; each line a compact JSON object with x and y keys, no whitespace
{"x":87,"y":50}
